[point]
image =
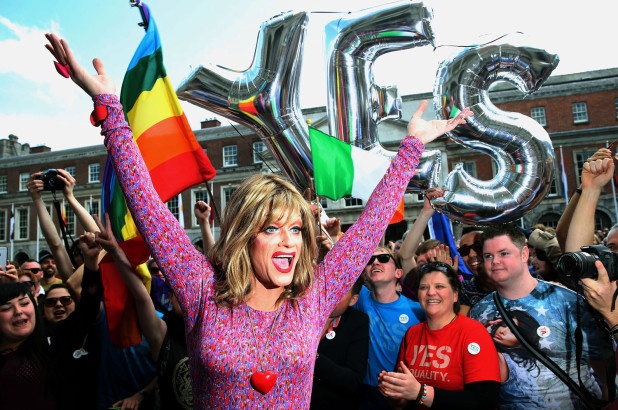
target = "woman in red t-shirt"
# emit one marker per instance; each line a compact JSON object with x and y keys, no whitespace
{"x":450,"y":360}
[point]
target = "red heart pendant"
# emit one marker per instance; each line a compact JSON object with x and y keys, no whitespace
{"x":263,"y":381}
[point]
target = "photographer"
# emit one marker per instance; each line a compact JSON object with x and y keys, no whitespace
{"x":601,"y":295}
{"x":40,"y":181}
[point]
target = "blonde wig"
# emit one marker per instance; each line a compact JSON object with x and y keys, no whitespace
{"x":258,"y":202}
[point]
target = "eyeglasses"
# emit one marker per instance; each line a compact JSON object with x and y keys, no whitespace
{"x":33,"y":270}
{"x":29,"y":283}
{"x":464,"y":250}
{"x":435,"y":266}
{"x":382,"y":258}
{"x":65,"y":300}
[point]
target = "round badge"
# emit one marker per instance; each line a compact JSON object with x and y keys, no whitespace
{"x":331,"y":335}
{"x":474,"y":348}
{"x":543,"y":331}
{"x":404,"y":318}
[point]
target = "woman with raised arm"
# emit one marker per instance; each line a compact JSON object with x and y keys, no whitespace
{"x":254,"y":308}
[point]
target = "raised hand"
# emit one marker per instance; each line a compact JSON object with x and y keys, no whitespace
{"x":427,"y":131}
{"x":93,"y":85}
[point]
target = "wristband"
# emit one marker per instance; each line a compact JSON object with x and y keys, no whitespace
{"x":579,"y":191}
{"x":422,"y":394}
{"x":99,"y":114}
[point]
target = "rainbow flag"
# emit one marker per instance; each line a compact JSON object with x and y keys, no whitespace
{"x":172,"y":154}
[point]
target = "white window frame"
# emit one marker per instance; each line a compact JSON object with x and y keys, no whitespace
{"x":226,"y":193}
{"x":71,"y":170}
{"x":22,"y":226}
{"x":198,"y":195}
{"x":94,"y":173}
{"x":229,"y":156}
{"x":258,"y":148}
{"x":580,"y":112}
{"x":23,"y":178}
{"x":4,"y":182}
{"x":96,"y":207}
{"x":538,"y":114}
{"x":351,"y":202}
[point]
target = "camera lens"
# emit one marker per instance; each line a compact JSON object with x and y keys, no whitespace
{"x":577,"y":265}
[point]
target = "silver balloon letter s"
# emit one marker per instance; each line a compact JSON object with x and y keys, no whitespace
{"x":520,"y":147}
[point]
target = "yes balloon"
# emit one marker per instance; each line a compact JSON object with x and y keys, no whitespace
{"x":519,"y":145}
{"x":265,"y":98}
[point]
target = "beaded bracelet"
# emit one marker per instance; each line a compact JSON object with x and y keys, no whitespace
{"x":422,"y":394}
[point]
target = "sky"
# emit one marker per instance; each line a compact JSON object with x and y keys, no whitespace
{"x":42,"y":108}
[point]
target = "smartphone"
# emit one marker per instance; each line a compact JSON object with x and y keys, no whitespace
{"x":4,"y":251}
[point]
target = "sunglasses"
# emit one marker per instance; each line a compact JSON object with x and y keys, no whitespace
{"x":29,"y":283}
{"x":436,"y":266}
{"x":33,"y":270}
{"x":382,"y":258}
{"x":464,"y":250}
{"x":65,"y":300}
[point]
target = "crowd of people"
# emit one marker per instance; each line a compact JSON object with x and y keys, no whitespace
{"x":285,"y":310}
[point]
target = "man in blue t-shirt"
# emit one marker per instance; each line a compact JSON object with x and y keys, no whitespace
{"x":390,"y":316}
{"x":546,"y":314}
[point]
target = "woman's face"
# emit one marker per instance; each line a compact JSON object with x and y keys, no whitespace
{"x":436,"y":295}
{"x":274,"y":252}
{"x":17,"y":321}
{"x":504,"y":337}
{"x":62,"y":306}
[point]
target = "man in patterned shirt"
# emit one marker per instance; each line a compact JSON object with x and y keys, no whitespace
{"x":552,"y":313}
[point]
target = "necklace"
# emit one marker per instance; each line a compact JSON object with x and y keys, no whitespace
{"x":263,"y":381}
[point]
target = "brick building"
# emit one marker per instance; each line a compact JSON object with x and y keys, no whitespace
{"x":579,"y":111}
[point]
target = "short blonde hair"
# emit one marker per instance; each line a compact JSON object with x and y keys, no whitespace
{"x":257,"y":202}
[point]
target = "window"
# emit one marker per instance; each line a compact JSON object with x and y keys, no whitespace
{"x":553,"y":187}
{"x":3,"y":184}
{"x":538,"y":114}
{"x":3,"y":224}
{"x":70,"y":220}
{"x":70,"y":170}
{"x":349,"y":202}
{"x":174,"y":206}
{"x":199,"y":195}
{"x":324,"y":203}
{"x":226,"y":195}
{"x":230,"y":156}
{"x":21,"y":223}
{"x":93,"y":206}
{"x":580,"y":113}
{"x":580,"y":158}
{"x":94,"y":173}
{"x":23,"y":178}
{"x":258,"y":148}
{"x":469,"y":167}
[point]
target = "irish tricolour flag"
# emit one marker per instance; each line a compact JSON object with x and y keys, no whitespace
{"x":341,"y":169}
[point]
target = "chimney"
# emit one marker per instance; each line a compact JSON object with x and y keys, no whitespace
{"x":210,"y":123}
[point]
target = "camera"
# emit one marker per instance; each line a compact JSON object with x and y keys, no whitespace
{"x":51,"y":182}
{"x":578,"y":265}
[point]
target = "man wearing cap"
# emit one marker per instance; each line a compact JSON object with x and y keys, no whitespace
{"x":545,"y":251}
{"x":34,"y":268}
{"x":47,"y":263}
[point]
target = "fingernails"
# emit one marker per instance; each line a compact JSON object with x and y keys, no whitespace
{"x":63,"y":69}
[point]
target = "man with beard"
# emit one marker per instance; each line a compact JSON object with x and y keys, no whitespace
{"x":48,"y":265}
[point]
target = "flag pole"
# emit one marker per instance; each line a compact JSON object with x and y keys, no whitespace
{"x":565,"y":186}
{"x":12,"y":228}
{"x":143,"y":11}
